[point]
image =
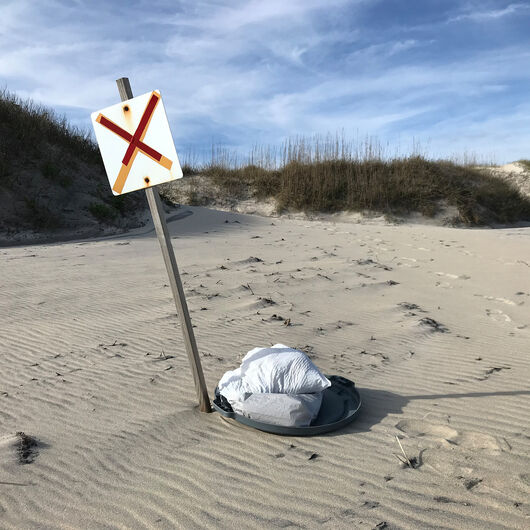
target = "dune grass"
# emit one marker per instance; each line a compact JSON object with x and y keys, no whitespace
{"x":51,"y":174}
{"x":32,"y":127}
{"x":332,"y":175}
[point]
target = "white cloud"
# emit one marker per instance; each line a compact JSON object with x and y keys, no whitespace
{"x":253,"y":71}
{"x":492,"y":14}
{"x":497,"y":139}
{"x":401,"y":46}
{"x":233,"y":16}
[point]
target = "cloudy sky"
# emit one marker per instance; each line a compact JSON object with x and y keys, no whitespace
{"x":451,"y":75}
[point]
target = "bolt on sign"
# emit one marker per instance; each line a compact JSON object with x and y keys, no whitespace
{"x":136,"y":143}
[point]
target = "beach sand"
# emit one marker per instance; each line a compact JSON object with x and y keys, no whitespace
{"x":432,"y":324}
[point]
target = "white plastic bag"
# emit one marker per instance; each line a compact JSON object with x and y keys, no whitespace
{"x":278,"y":385}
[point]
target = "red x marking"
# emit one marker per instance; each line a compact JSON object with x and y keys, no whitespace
{"x":135,"y":142}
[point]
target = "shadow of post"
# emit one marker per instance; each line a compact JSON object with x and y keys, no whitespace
{"x":377,"y":404}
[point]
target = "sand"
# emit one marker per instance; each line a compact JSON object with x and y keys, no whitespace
{"x":432,"y":323}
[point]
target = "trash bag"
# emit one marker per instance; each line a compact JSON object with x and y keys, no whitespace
{"x":277,"y":385}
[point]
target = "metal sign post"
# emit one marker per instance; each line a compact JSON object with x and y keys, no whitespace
{"x":157,"y":212}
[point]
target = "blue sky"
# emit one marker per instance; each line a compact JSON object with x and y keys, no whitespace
{"x":451,"y":76}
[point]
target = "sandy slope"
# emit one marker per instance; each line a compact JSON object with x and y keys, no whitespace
{"x":516,"y":174}
{"x":92,"y":364}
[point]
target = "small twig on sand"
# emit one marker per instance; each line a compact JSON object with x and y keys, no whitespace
{"x":250,"y":289}
{"x":406,"y":461}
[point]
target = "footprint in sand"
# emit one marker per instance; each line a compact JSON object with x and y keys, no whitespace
{"x":407,"y":262}
{"x":446,"y":435}
{"x":497,"y":315}
{"x":444,"y":285}
{"x":422,"y":428}
{"x":506,"y":301}
{"x":453,"y":276}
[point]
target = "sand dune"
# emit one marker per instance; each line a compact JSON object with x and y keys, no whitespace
{"x":432,"y":323}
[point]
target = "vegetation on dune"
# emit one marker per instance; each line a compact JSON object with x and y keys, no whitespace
{"x":102,"y":212}
{"x":331,"y":175}
{"x":26,"y":129}
{"x":51,"y":175}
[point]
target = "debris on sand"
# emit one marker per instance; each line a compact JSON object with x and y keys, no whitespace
{"x":308,"y":350}
{"x":471,"y":483}
{"x":412,"y":463}
{"x":411,"y":307}
{"x":435,"y":326}
{"x":267,"y":301}
{"x":447,"y":500}
{"x":26,"y":448}
{"x":370,"y":261}
{"x":491,"y":371}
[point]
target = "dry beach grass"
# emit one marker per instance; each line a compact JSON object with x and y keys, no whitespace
{"x":332,"y":175}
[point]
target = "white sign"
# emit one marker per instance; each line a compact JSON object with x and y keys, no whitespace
{"x":136,"y":143}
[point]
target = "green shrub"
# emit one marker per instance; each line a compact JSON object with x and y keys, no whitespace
{"x":53,"y":173}
{"x":120,"y":203}
{"x":39,"y":216}
{"x":102,"y":212}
